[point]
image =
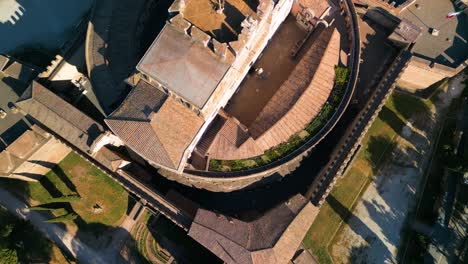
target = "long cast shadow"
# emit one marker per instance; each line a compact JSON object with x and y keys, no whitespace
{"x":358,"y":227}
{"x":176,"y":241}
{"x":63,"y":177}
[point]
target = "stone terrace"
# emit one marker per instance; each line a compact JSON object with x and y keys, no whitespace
{"x":291,"y":108}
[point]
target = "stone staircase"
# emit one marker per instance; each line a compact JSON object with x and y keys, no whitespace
{"x":210,"y":135}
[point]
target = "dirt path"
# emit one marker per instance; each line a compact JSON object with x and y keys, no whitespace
{"x":373,"y":231}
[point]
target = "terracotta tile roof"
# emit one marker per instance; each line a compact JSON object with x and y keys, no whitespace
{"x":176,"y":126}
{"x":139,"y":136}
{"x":59,"y":116}
{"x":157,"y":127}
{"x":272,"y":238}
{"x":175,"y":60}
{"x":140,"y":103}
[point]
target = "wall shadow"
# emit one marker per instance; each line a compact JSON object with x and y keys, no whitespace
{"x":176,"y":241}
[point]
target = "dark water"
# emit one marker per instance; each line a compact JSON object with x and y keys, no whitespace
{"x":45,"y":24}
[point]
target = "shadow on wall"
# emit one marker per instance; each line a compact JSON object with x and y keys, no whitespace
{"x":29,"y":22}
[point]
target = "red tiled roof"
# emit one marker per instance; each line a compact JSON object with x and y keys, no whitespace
{"x":157,"y":127}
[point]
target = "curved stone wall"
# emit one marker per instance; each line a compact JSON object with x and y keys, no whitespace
{"x":230,"y":181}
{"x":111,"y":49}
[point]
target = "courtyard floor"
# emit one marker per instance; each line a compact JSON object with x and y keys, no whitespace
{"x":255,"y":91}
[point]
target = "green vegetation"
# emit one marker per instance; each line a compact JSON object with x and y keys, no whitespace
{"x":270,"y":155}
{"x":296,"y":140}
{"x":78,"y":193}
{"x":21,"y":243}
{"x":145,"y":244}
{"x":65,"y":199}
{"x":341,"y":76}
{"x":377,"y":145}
{"x":320,"y":120}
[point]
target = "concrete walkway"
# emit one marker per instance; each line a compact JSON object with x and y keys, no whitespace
{"x":54,"y":232}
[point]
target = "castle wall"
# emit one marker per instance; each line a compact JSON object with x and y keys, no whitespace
{"x":32,"y":155}
{"x":420,"y":75}
{"x":41,"y":161}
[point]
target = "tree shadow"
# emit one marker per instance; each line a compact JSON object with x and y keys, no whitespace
{"x":360,"y":228}
{"x":399,"y":126}
{"x":119,"y":249}
{"x":64,"y":178}
{"x":357,"y":253}
{"x":50,"y":187}
{"x":408,"y":107}
{"x":378,"y":150}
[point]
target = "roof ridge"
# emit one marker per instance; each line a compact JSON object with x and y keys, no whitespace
{"x":121,"y":118}
{"x":112,"y":120}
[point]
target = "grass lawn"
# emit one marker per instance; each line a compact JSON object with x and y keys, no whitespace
{"x":75,"y":175}
{"x":376,"y":146}
{"x":72,"y":176}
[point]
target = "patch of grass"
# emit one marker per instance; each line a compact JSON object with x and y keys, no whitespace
{"x":328,"y":221}
{"x":377,"y":145}
{"x":73,"y":177}
{"x":93,"y":186}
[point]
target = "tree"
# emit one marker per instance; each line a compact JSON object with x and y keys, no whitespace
{"x":8,"y":255}
{"x":6,"y":230}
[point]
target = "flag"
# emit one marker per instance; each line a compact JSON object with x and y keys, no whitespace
{"x":454,"y":14}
